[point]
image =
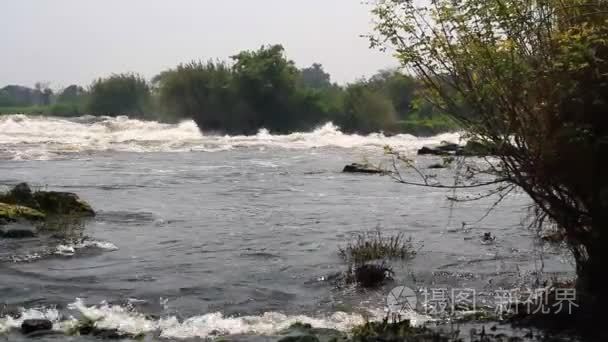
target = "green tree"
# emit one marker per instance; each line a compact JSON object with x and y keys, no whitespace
{"x":266,"y":80}
{"x":71,"y":94}
{"x":203,"y":92}
{"x":399,"y":88}
{"x":534,"y":74}
{"x":120,"y":94}
{"x":315,"y":77}
{"x":366,"y":110}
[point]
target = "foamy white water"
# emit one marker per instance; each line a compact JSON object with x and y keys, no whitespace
{"x":25,"y":137}
{"x":125,"y":320}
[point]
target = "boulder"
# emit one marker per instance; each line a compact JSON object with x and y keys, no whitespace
{"x":362,"y":168}
{"x":48,"y":202}
{"x":63,"y":203}
{"x":34,"y":325}
{"x":443,"y":149}
{"x":14,"y":213}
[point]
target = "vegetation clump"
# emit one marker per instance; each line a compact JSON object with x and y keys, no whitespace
{"x":12,"y":213}
{"x":395,"y":332}
{"x":376,"y":246}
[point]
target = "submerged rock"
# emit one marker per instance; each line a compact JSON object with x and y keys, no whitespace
{"x":18,"y":233}
{"x":35,"y":325}
{"x":63,"y":203}
{"x":370,"y":275}
{"x":14,"y":213}
{"x":362,"y":168}
{"x":437,"y":166}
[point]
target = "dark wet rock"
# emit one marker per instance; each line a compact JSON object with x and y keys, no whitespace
{"x":63,"y":203}
{"x":488,"y":237}
{"x":110,"y":334}
{"x":443,"y":149}
{"x":35,"y":325}
{"x":87,"y":327}
{"x":15,"y":213}
{"x":18,"y":233}
{"x":303,"y":332}
{"x":370,"y":275}
{"x":362,"y":168}
{"x":48,"y":202}
{"x":437,"y":166}
{"x":299,"y":338}
{"x":471,"y":148}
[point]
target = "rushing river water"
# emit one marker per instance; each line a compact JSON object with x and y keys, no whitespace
{"x":199,"y":235}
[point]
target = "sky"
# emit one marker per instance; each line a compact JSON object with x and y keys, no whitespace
{"x":76,"y":41}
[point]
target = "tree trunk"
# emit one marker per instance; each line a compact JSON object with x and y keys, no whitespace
{"x":591,"y":289}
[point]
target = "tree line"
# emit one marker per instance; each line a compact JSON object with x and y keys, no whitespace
{"x":252,"y":90}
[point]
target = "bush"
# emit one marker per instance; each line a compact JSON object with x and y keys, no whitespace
{"x":120,"y":94}
{"x":375,"y":246}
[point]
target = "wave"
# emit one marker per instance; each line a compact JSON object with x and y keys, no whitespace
{"x":25,"y":137}
{"x":126,"y":320}
{"x":72,"y":249}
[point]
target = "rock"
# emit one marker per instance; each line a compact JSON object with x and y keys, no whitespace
{"x":63,"y":203}
{"x":14,"y":213}
{"x":437,"y":166}
{"x":443,"y":149}
{"x":299,"y":338}
{"x":371,"y":275}
{"x":18,"y":233}
{"x":22,"y":195}
{"x":472,"y":148}
{"x":361,"y":168}
{"x":488,"y":237}
{"x":34,"y":325}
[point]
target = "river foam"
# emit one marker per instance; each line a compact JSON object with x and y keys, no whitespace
{"x":25,"y":137}
{"x":125,"y":320}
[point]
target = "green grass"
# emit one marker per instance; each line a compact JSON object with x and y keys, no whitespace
{"x":375,"y":246}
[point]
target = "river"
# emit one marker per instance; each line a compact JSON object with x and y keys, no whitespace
{"x":206,"y":235}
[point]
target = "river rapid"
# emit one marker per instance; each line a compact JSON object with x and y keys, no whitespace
{"x":201,"y":235}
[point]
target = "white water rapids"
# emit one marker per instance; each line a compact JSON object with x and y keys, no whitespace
{"x":42,"y":138}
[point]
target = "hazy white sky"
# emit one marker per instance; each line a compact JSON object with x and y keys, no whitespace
{"x":75,"y":41}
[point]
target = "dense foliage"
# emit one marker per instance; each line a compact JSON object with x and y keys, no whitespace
{"x":533,"y":76}
{"x":120,"y":94}
{"x":253,"y":90}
